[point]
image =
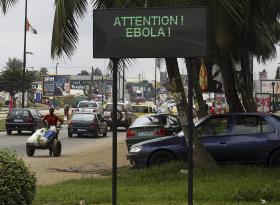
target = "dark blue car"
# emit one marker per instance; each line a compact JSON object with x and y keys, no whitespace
{"x":233,"y":137}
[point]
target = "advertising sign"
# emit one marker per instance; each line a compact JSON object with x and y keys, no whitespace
{"x":56,"y":85}
{"x":150,"y":32}
{"x":263,"y":101}
{"x":79,"y":84}
{"x":266,"y":86}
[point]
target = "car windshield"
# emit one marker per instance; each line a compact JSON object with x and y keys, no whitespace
{"x":142,"y":109}
{"x":109,"y":107}
{"x":19,"y":113}
{"x":83,"y":117}
{"x":87,"y":104}
{"x":159,"y":120}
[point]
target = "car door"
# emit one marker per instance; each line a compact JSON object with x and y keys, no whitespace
{"x":214,"y":134}
{"x":38,"y":120}
{"x":250,"y":138}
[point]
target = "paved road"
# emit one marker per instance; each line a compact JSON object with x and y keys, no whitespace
{"x":17,"y":142}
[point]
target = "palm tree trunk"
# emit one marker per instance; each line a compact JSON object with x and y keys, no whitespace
{"x":247,"y":83}
{"x":227,"y":71}
{"x":201,"y":157}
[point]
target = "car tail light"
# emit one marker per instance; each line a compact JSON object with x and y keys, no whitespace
{"x":130,"y":133}
{"x":94,"y":124}
{"x":161,"y":132}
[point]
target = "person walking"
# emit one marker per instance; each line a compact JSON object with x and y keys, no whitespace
{"x":66,"y":111}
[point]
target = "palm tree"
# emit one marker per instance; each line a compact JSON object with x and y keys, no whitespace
{"x":6,"y":4}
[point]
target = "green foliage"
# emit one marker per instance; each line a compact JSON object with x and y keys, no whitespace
{"x":11,"y":79}
{"x":17,"y":183}
{"x":166,"y":185}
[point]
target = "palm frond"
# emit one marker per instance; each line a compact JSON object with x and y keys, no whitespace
{"x":65,"y":34}
{"x":122,"y":63}
{"x":7,"y":4}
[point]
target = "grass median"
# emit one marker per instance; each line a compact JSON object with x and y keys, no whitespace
{"x":2,"y":125}
{"x":165,"y":185}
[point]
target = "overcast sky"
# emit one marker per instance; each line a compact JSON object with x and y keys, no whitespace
{"x":40,"y":15}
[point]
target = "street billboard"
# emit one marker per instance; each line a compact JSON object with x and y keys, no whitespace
{"x":263,"y":101}
{"x":56,"y":85}
{"x":150,"y":32}
{"x":266,"y":86}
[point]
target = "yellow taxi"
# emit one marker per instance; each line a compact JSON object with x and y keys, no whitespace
{"x":140,"y":110}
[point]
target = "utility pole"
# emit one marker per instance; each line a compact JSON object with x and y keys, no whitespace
{"x":56,"y":68}
{"x":24,"y":57}
{"x":139,"y":80}
{"x":91,"y":83}
{"x":102,"y":80}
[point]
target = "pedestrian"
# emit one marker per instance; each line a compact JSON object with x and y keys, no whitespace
{"x":212,"y":108}
{"x":66,"y":111}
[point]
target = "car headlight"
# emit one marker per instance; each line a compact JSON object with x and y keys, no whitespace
{"x":135,"y":149}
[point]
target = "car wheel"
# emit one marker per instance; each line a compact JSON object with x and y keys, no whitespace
{"x":161,"y":157}
{"x":56,"y":148}
{"x":9,"y":132}
{"x":97,"y":133}
{"x":30,"y":151}
{"x":274,"y":159}
{"x":70,"y":134}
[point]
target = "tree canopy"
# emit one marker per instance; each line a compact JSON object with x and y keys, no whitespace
{"x":11,"y":79}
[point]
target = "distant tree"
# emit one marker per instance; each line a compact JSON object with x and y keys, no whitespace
{"x":277,"y":76}
{"x":97,"y":72}
{"x":84,"y":72}
{"x":11,"y":79}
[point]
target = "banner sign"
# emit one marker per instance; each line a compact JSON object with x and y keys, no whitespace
{"x":150,"y":32}
{"x":79,"y":84}
{"x":263,"y":101}
{"x":56,"y":85}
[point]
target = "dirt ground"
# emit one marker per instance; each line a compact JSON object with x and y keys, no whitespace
{"x":87,"y":162}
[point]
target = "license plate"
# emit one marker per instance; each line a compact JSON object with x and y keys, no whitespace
{"x":18,"y":120}
{"x":145,"y":133}
{"x":82,"y":130}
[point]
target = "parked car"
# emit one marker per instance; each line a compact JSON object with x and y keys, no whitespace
{"x":87,"y":123}
{"x":250,"y":137}
{"x":88,"y":106}
{"x":152,"y":126}
{"x":140,"y":110}
{"x":125,"y":115}
{"x":23,"y":119}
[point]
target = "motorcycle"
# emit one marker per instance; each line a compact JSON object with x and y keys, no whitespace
{"x":45,"y":138}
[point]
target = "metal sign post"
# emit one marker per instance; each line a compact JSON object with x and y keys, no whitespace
{"x":190,"y":136}
{"x":115,"y":134}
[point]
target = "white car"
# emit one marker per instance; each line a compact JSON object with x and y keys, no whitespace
{"x":88,"y":107}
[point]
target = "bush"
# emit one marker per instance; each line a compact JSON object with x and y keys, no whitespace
{"x":17,"y":183}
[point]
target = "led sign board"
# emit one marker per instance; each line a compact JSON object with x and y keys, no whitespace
{"x":150,"y":32}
